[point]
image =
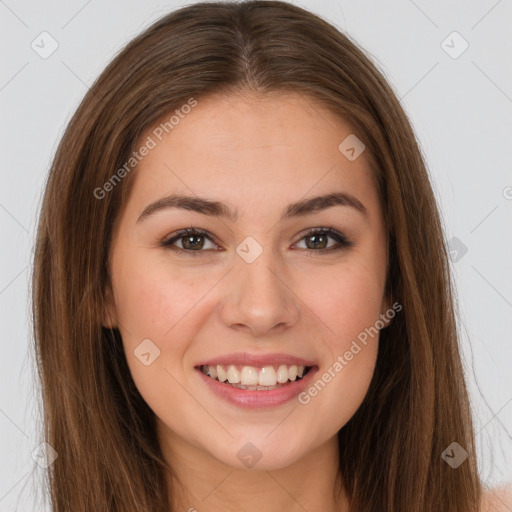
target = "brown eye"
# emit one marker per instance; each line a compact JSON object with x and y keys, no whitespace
{"x":192,"y":241}
{"x":317,"y":240}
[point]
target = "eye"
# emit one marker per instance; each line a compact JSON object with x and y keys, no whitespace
{"x":189,"y":241}
{"x":192,"y":240}
{"x":319,"y":237}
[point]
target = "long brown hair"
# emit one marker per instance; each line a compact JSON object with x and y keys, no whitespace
{"x":94,"y":417}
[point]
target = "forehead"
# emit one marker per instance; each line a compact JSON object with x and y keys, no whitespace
{"x":250,"y":149}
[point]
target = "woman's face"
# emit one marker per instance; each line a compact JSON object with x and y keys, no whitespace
{"x":255,"y":292}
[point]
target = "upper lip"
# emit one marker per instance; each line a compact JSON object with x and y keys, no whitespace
{"x":247,"y":359}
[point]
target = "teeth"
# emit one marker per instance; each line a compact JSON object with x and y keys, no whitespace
{"x":221,"y":374}
{"x":267,"y":376}
{"x":233,"y":375}
{"x":249,"y":377}
{"x":213,"y":371}
{"x":282,"y":374}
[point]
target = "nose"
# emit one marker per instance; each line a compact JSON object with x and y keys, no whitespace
{"x":260,"y":297}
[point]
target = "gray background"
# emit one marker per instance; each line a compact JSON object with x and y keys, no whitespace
{"x":460,"y":107}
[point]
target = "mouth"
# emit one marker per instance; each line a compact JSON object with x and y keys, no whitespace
{"x":255,"y":378}
{"x":256,"y":387}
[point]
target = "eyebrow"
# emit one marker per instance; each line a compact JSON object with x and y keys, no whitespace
{"x":218,"y":209}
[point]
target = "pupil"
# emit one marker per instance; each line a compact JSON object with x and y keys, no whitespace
{"x":186,"y":242}
{"x":316,"y":237}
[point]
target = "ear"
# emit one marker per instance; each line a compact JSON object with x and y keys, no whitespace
{"x":109,"y":313}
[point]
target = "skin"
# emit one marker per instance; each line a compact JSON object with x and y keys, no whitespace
{"x":257,"y":154}
{"x":498,"y":499}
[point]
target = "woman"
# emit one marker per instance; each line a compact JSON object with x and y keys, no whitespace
{"x":201,"y":343}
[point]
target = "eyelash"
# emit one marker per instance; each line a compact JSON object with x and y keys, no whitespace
{"x":343,"y":242}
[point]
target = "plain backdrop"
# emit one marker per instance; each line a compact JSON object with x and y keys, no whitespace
{"x":450,"y":65}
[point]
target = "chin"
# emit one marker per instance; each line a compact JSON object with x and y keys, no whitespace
{"x":258,"y":453}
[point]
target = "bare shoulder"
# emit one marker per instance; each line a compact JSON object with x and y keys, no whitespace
{"x":498,"y":499}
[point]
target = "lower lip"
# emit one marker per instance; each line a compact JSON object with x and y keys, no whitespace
{"x":258,"y":399}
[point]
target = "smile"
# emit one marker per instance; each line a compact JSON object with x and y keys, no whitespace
{"x":251,"y":378}
{"x":272,"y":385}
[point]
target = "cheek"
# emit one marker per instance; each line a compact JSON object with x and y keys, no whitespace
{"x":163,"y":305}
{"x":349,"y":305}
{"x":152,"y":299}
{"x":152,"y":305}
{"x":143,"y":302}
{"x":347,"y":301}
{"x":341,"y":388}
